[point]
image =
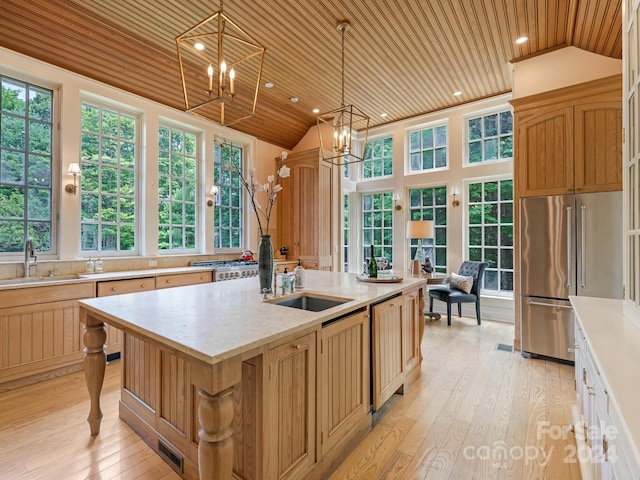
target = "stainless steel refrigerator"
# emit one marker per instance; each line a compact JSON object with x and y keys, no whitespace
{"x":569,"y":245}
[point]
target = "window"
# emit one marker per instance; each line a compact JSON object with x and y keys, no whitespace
{"x":431,"y":204}
{"x":490,"y":137}
{"x":177,"y":151}
{"x":345,"y":231}
{"x":490,"y":225}
{"x":26,"y":139}
{"x":109,"y":152}
{"x":428,"y":148}
{"x":378,"y":158}
{"x":228,"y":216}
{"x":377,"y":223}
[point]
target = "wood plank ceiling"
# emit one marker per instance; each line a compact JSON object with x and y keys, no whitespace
{"x":403,"y":57}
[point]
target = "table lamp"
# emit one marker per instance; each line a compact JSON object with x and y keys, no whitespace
{"x":419,"y":229}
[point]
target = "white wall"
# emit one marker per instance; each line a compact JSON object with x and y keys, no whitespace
{"x":560,"y":68}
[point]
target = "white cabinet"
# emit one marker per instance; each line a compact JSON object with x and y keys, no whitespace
{"x":605,"y":449}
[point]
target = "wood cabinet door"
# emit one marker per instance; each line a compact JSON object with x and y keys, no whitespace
{"x":545,"y":160}
{"x":38,"y":338}
{"x":598,"y":147}
{"x":344,"y":378}
{"x":411,"y":331}
{"x":388,"y":364}
{"x":291,"y":413}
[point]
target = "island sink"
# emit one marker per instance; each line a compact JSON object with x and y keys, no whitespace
{"x":311,"y":303}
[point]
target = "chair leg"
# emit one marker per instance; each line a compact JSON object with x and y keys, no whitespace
{"x":478,"y":312}
{"x":460,"y":310}
{"x":431,"y":304}
{"x":448,"y":313}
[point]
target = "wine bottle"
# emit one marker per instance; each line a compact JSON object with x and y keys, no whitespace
{"x":373,"y":265}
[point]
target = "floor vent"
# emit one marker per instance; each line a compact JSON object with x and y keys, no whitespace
{"x":170,"y":457}
{"x":504,"y":348}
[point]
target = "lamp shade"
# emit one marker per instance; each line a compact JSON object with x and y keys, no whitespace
{"x":419,"y":229}
{"x":74,"y":169}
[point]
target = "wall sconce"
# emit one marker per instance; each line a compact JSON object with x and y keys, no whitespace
{"x":214,"y":194}
{"x":74,"y":169}
{"x":454,"y":192}
{"x":396,"y":199}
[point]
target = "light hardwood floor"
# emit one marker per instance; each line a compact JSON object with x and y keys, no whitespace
{"x":476,"y":413}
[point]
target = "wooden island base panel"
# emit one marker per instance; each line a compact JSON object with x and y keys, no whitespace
{"x":232,"y":387}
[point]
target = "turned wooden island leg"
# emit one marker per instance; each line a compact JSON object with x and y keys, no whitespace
{"x":95,"y":359}
{"x":215,"y":449}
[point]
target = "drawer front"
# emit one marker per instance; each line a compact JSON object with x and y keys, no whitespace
{"x":118,"y":287}
{"x":51,"y":293}
{"x":181,"y":279}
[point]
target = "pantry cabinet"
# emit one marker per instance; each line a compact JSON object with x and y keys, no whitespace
{"x":306,"y":208}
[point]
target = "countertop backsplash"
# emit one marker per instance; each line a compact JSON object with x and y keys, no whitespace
{"x":11,"y":270}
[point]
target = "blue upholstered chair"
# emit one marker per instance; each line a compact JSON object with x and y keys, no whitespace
{"x":453,"y":295}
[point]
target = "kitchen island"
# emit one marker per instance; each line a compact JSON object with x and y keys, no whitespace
{"x":224,"y":384}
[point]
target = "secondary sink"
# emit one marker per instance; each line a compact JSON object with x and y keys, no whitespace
{"x":311,"y":303}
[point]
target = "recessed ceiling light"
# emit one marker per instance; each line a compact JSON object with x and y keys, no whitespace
{"x":294,"y":99}
{"x":198,"y":46}
{"x":268,"y":85}
{"x":383,"y":115}
{"x":316,"y":110}
{"x":521,"y":40}
{"x":457,"y":94}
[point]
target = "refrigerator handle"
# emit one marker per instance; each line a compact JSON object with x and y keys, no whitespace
{"x":583,"y":217}
{"x":569,"y":249}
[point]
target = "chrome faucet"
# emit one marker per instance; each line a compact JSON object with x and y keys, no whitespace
{"x":29,"y":253}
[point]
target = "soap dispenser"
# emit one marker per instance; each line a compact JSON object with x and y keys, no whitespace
{"x":99,"y":266}
{"x":90,"y":265}
{"x":299,"y":274}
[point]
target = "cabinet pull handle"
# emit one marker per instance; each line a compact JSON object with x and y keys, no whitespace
{"x":584,"y":376}
{"x":113,"y":289}
{"x":569,"y":249}
{"x":296,"y":346}
{"x":591,"y":390}
{"x":142,"y":285}
{"x":605,"y":448}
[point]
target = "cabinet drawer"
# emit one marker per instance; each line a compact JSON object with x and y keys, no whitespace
{"x":181,"y":279}
{"x":51,"y":293}
{"x":117,"y":287}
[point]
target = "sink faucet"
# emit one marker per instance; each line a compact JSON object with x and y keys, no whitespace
{"x":29,"y":253}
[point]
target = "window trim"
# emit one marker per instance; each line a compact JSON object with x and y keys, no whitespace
{"x":447,"y":226}
{"x":465,"y":134}
{"x":465,"y":228}
{"x":198,"y":194}
{"x":57,"y":175}
{"x":407,"y":146}
{"x":370,"y":141}
{"x":246,"y":220}
{"x":139,"y":235}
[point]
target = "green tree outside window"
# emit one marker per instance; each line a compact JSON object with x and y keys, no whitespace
{"x":228,"y":216}
{"x":108,"y":188}
{"x":490,"y":231}
{"x":177,"y":160}
{"x":431,"y":204}
{"x":378,"y":158}
{"x":490,"y":137}
{"x":377,"y":223}
{"x":26,"y":139}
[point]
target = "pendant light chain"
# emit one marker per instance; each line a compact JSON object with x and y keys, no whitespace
{"x":343,"y":30}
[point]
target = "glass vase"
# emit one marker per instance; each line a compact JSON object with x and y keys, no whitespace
{"x":265,"y":263}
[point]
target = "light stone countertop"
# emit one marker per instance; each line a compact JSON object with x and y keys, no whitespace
{"x":614,"y":342}
{"x":220,"y":320}
{"x":35,"y":281}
